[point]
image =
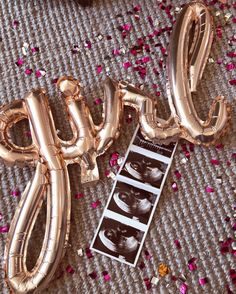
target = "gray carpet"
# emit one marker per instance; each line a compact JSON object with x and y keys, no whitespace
{"x":194,"y":217}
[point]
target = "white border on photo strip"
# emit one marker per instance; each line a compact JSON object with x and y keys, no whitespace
{"x":126,"y":220}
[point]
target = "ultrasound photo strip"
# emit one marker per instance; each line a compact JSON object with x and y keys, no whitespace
{"x":127,"y":216}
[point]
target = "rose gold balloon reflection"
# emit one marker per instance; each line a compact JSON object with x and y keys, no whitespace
{"x":51,"y":156}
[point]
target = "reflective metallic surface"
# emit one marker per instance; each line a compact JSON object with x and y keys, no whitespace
{"x":188,"y":53}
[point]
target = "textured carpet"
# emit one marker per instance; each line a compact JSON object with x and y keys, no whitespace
{"x":194,"y":217}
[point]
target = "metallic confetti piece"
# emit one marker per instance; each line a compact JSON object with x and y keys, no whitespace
{"x":209,"y":189}
{"x":25,"y":48}
{"x":147,"y":283}
{"x":142,"y":265}
{"x":4,"y":229}
{"x":155,"y":280}
{"x":80,"y":252}
{"x":20,"y":62}
{"x":178,"y":174}
{"x":99,"y":69}
{"x":106,"y":276}
{"x":28,"y":71}
{"x":215,"y":161}
{"x":15,"y":193}
{"x":93,"y":275}
{"x":88,"y":253}
{"x":79,"y":196}
{"x":127,"y":64}
{"x":183,"y":288}
{"x":96,"y":204}
{"x":70,"y":270}
{"x":174,"y":187}
{"x":203,"y":281}
{"x":177,"y":244}
{"x":163,"y":270}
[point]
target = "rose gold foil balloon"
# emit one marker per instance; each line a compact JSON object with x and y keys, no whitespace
{"x":189,"y":49}
{"x":188,"y":53}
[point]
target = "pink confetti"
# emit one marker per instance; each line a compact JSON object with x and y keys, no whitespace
{"x":147,"y":255}
{"x":174,"y":187}
{"x":4,"y":229}
{"x":116,"y":52}
{"x":106,"y":276}
{"x":215,"y":161}
{"x":178,"y":174}
{"x":203,"y":281}
{"x":28,"y":71}
{"x":137,"y":8}
{"x":232,"y":274}
{"x":107,"y":173}
{"x":40,"y":73}
{"x":70,"y":269}
{"x":93,"y":275}
{"x":209,"y":189}
{"x":35,"y":49}
{"x":88,"y":253}
{"x":15,"y":23}
{"x":98,"y":101}
{"x":141,"y":265}
{"x":88,"y":44}
{"x":183,"y":288}
{"x":192,"y":264}
{"x":230,"y":66}
{"x":95,"y":204}
{"x":20,"y":62}
{"x":231,"y":54}
{"x":79,"y":195}
{"x":147,"y":283}
{"x":177,"y":244}
{"x":127,"y":27}
{"x":232,"y":82}
{"x":127,"y":64}
{"x":15,"y":193}
{"x":234,"y":227}
{"x":99,"y":69}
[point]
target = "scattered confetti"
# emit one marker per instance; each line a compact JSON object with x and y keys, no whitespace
{"x":99,"y":69}
{"x":155,"y":280}
{"x":209,"y":189}
{"x":127,"y":64}
{"x":28,"y":71}
{"x":178,"y":174}
{"x":203,"y":281}
{"x":147,"y":255}
{"x":163,"y":270}
{"x":106,"y":276}
{"x":79,"y":195}
{"x":88,"y":253}
{"x":70,"y":269}
{"x":20,"y":62}
{"x":174,"y":187}
{"x":4,"y":229}
{"x":98,"y":101}
{"x":192,"y":264}
{"x":183,"y":288}
{"x":80,"y":252}
{"x":147,"y":283}
{"x":93,"y":275}
{"x":95,"y":204}
{"x":177,"y":244}
{"x":15,"y":193}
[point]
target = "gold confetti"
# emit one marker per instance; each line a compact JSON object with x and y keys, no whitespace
{"x":163,"y":270}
